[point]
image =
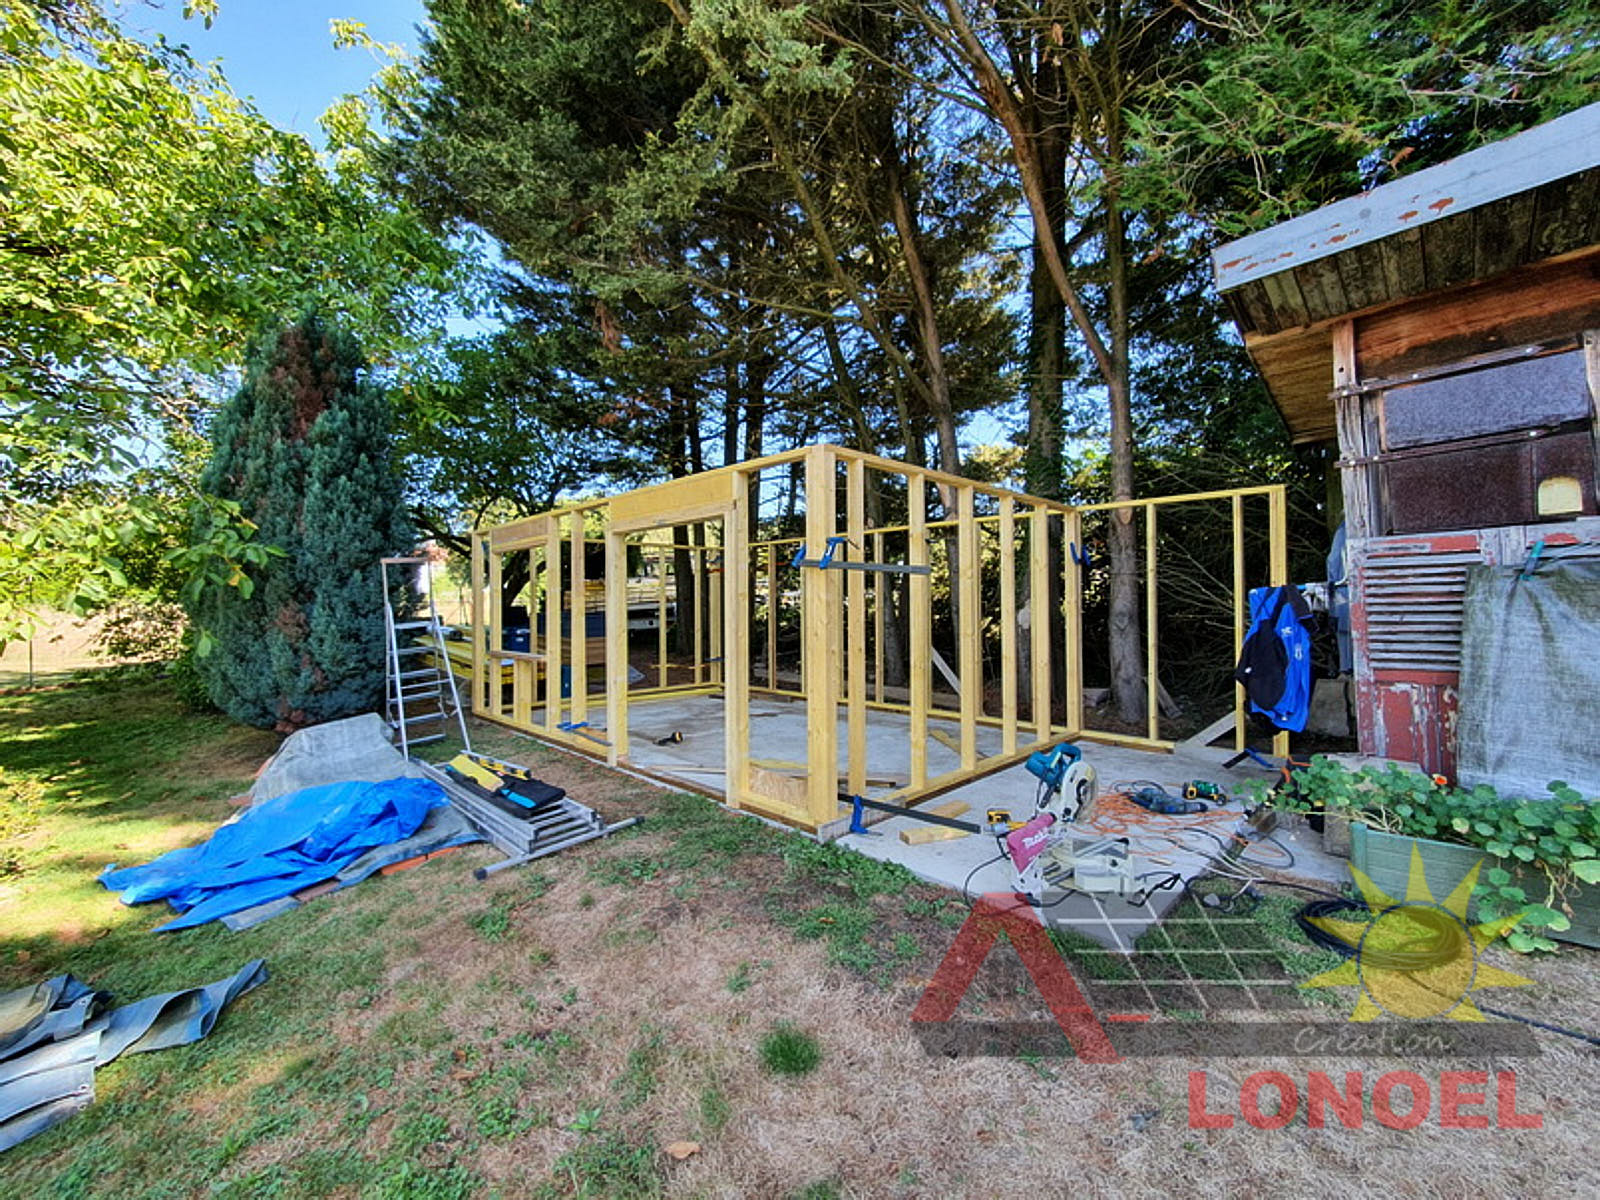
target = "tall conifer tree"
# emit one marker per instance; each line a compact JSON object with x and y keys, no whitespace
{"x":303,"y":449}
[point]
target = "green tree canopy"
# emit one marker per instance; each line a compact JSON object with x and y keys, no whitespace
{"x":150,"y":223}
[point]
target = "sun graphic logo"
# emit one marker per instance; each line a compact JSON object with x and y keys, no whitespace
{"x":1418,"y":957}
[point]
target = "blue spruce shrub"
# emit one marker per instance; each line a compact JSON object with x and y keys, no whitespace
{"x":303,"y":448}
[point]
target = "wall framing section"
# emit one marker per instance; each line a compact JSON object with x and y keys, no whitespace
{"x":985,"y":544}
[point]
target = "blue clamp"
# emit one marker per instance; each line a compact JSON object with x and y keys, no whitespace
{"x":581,"y":728}
{"x":1082,"y":557}
{"x":800,"y":559}
{"x":1532,"y":565}
{"x":1528,"y":567}
{"x":857,"y":825}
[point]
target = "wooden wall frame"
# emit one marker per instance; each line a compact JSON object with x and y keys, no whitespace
{"x":948,"y":522}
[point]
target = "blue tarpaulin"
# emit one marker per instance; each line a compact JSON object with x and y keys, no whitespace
{"x":277,"y":847}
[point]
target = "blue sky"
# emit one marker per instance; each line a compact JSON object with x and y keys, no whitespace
{"x":279,"y":52}
{"x":281,"y":55}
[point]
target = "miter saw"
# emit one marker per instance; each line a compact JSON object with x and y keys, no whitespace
{"x":1047,"y":851}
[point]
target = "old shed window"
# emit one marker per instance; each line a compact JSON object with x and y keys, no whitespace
{"x":1471,"y":450}
{"x":1531,"y":393}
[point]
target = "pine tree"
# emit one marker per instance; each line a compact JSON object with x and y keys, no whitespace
{"x":303,"y":449}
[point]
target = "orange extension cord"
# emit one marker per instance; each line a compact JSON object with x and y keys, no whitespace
{"x":1115,"y":814}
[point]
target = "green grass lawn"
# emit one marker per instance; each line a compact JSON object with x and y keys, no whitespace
{"x":328,"y":1078}
{"x":552,"y":1031}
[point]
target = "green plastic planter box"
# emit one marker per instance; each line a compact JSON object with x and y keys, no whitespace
{"x":1385,"y":858}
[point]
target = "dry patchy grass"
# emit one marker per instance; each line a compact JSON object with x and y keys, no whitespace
{"x":551,"y":1031}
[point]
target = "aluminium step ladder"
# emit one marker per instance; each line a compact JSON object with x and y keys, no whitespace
{"x":547,"y":827}
{"x":421,"y":698}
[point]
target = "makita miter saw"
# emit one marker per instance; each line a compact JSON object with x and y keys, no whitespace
{"x":1048,"y":852}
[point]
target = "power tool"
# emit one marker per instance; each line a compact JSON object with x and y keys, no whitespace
{"x":1066,"y":782}
{"x":1046,"y":851}
{"x":1157,"y":799}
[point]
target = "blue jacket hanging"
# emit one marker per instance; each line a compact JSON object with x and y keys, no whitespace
{"x":1275,"y":661}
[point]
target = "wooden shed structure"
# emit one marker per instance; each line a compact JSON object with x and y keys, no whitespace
{"x":1444,"y":330}
{"x":840,"y":625}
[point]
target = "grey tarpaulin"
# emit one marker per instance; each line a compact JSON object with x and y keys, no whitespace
{"x":335,"y":752}
{"x":175,"y":1018}
{"x":1530,"y":679}
{"x":46,"y":1085}
{"x":46,"y":1012}
{"x":54,"y":1035}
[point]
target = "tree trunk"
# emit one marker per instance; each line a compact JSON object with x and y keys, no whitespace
{"x":685,"y":461}
{"x":685,"y":603}
{"x":757,"y":372}
{"x":732,"y":405}
{"x":1047,"y":356}
{"x":895,"y":659}
{"x":928,"y":337}
{"x":1128,"y":691}
{"x":1110,"y":352}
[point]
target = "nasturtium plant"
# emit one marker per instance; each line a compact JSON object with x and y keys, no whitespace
{"x":1543,"y":848}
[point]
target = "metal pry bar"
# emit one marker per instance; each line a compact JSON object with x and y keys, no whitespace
{"x":827,"y":561}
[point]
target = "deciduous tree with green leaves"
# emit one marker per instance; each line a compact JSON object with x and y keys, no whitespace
{"x":150,"y":222}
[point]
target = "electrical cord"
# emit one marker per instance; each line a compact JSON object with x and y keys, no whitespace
{"x":1285,"y":864}
{"x":1403,"y":959}
{"x":1545,"y":1025}
{"x":988,"y":862}
{"x":1440,"y":941}
{"x":1314,"y":891}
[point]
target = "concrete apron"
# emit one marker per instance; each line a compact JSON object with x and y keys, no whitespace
{"x":969,"y":864}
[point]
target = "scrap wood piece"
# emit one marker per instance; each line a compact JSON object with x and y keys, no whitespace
{"x":944,"y":669}
{"x":1223,"y":724}
{"x":937,"y":833}
{"x":945,"y":739}
{"x":783,"y":789}
{"x":1169,"y":707}
{"x":417,"y":861}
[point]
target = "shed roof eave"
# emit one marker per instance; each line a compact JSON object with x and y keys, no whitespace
{"x":1564,"y":146}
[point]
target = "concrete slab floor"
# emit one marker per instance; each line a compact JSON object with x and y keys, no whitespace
{"x":972,"y":864}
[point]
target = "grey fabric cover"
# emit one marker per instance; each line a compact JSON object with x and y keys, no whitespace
{"x":50,"y":1054}
{"x":356,"y":748}
{"x":45,"y":1086}
{"x":55,"y":1008}
{"x":1530,"y":680}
